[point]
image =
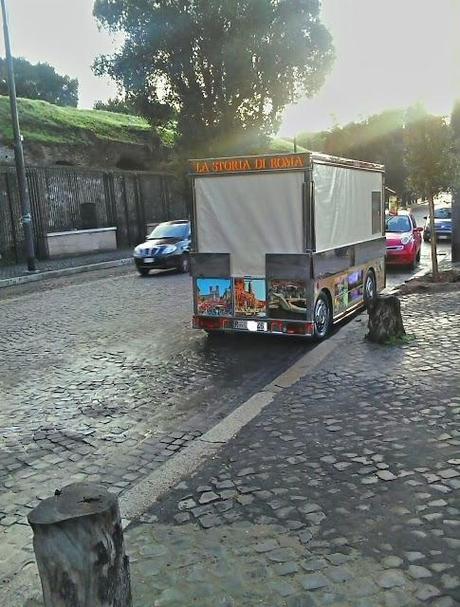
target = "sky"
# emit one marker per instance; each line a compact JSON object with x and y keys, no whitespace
{"x":64,"y":34}
{"x":390,"y":53}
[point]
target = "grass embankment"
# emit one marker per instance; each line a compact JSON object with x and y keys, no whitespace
{"x":45,"y":123}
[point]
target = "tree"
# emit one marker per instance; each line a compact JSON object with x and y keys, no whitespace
{"x":225,"y":69}
{"x":455,"y":125}
{"x":430,"y":161}
{"x":379,"y":138}
{"x":118,"y":105}
{"x":40,"y":81}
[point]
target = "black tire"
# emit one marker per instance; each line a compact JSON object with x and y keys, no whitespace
{"x":143,"y":271}
{"x":370,"y":287}
{"x":184,"y":264}
{"x":413,"y":264}
{"x":418,"y":256}
{"x":322,"y":317}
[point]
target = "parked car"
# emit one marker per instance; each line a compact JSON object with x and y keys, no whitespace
{"x":167,"y":246}
{"x":442,"y":224}
{"x":403,"y":239}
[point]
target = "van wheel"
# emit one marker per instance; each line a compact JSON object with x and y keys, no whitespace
{"x":143,"y":271}
{"x":322,"y":316}
{"x":184,"y":265}
{"x":370,"y":287}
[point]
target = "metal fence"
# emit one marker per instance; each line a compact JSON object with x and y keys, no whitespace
{"x":66,"y":198}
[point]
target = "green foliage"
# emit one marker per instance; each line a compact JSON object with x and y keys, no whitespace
{"x":46,"y":123}
{"x":117,"y":105}
{"x":40,"y":81}
{"x":455,"y":121}
{"x":429,"y":154}
{"x":400,"y":340}
{"x":379,"y":138}
{"x":225,"y":70}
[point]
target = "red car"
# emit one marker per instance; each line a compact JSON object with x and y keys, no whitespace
{"x":404,"y":240}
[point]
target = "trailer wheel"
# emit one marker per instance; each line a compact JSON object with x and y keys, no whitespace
{"x":370,"y":287}
{"x":322,"y":316}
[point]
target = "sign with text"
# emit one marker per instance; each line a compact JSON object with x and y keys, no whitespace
{"x":249,"y":164}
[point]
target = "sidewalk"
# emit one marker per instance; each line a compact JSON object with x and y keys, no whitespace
{"x":15,"y":274}
{"x":344,"y":491}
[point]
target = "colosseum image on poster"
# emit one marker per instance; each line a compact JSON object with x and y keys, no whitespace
{"x":214,"y":296}
{"x":250,"y":297}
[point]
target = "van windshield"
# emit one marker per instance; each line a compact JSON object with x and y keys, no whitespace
{"x":443,"y":214}
{"x":398,"y":223}
{"x":178,"y":230}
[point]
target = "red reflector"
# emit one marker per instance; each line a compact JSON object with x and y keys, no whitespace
{"x":299,"y":329}
{"x":208,"y":324}
{"x":277,"y":326}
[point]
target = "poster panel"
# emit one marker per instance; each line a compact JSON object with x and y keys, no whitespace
{"x":214,"y":296}
{"x":287,"y":299}
{"x":250,"y":297}
{"x":341,"y":293}
{"x":355,"y":286}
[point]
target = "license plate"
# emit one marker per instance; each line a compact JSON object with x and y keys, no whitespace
{"x":254,"y":326}
{"x":148,"y":260}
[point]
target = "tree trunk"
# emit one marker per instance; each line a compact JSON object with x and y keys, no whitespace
{"x":385,"y":321}
{"x":79,"y":547}
{"x":434,"y":253}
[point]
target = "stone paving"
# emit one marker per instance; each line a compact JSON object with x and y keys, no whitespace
{"x":102,"y":379}
{"x":343,"y":492}
{"x":45,"y":265}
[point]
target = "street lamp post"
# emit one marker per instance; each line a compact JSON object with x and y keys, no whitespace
{"x":26,"y":218}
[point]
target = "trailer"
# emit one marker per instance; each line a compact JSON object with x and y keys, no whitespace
{"x":285,"y":244}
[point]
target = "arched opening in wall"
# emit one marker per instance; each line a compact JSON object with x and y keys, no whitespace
{"x":64,"y":163}
{"x":128,"y":163}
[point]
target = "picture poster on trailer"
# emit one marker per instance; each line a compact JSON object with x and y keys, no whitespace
{"x":250,"y":297}
{"x":287,"y":299}
{"x":341,"y":293}
{"x":214,"y":296}
{"x":355,"y":286}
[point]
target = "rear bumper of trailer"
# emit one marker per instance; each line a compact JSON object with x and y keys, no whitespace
{"x":266,"y":326}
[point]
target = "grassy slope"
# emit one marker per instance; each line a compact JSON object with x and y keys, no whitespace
{"x":44,"y":123}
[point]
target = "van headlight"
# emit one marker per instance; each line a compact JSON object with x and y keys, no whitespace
{"x":407,"y":238}
{"x":168,"y":249}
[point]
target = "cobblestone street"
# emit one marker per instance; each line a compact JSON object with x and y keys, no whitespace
{"x":102,"y":379}
{"x":342,"y":492}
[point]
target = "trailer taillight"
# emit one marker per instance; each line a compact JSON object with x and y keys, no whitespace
{"x":208,"y":324}
{"x":299,"y":328}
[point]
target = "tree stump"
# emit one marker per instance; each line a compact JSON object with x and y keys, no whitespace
{"x":385,"y":321}
{"x":79,"y":547}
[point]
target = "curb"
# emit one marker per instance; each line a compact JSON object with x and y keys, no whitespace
{"x":141,"y":496}
{"x":20,"y":280}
